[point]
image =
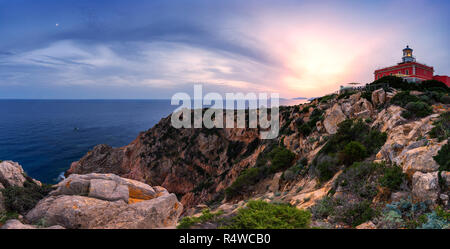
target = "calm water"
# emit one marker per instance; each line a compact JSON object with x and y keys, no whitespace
{"x":46,"y":136}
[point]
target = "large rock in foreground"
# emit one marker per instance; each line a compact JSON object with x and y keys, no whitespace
{"x":11,"y":174}
{"x":107,"y":201}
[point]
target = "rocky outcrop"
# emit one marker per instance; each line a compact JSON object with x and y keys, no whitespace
{"x":11,"y":174}
{"x":333,"y":117}
{"x":408,"y":147}
{"x":107,"y":201}
{"x":378,"y":97}
{"x":389,"y":118}
{"x":425,"y":186}
{"x":16,"y":224}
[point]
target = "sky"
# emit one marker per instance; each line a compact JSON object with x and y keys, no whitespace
{"x":135,"y":49}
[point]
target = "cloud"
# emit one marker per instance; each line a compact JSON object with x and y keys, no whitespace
{"x":156,"y":48}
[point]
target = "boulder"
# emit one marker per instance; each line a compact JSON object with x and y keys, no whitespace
{"x":91,"y":213}
{"x":333,"y":117}
{"x":108,"y":190}
{"x":107,"y":201}
{"x":11,"y":174}
{"x":378,"y":97}
{"x":425,"y":186}
{"x":361,"y":109}
{"x":108,"y":187}
{"x":16,"y":224}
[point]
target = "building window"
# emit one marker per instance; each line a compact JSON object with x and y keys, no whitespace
{"x":407,"y":71}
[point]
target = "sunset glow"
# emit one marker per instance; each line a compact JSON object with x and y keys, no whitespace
{"x":303,"y":48}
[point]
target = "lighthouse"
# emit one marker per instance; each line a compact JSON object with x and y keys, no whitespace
{"x":411,"y":70}
{"x":407,"y":55}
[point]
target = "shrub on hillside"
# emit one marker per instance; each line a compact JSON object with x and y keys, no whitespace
{"x":445,"y":99}
{"x":324,"y":207}
{"x":326,"y":167}
{"x":392,"y":177}
{"x":394,"y":82}
{"x":363,"y":141}
{"x":441,"y":129}
{"x":354,"y":214}
{"x":263,"y":215}
{"x":23,"y":199}
{"x":403,"y":98}
{"x":356,"y":179}
{"x":304,"y":129}
{"x":417,"y":109}
{"x":443,"y":157}
{"x":207,"y":216}
{"x":280,"y":158}
{"x":343,"y":211}
{"x":247,"y":177}
{"x":352,"y":152}
{"x":403,"y":214}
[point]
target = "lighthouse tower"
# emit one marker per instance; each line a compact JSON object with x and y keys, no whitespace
{"x":407,"y":55}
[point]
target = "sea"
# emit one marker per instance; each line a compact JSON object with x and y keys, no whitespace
{"x":46,"y":136}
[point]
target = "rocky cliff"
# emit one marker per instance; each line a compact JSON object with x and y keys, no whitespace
{"x":202,"y":165}
{"x":366,"y":159}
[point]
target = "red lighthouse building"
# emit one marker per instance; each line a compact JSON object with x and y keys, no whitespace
{"x":411,"y":70}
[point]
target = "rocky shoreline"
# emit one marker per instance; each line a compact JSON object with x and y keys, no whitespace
{"x":394,"y":163}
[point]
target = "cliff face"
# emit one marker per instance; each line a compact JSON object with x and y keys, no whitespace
{"x":199,"y":164}
{"x":189,"y":162}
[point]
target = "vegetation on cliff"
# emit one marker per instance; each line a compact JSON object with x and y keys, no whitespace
{"x":255,"y":215}
{"x":22,"y":199}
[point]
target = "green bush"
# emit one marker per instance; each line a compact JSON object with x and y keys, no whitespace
{"x":392,"y":177}
{"x":445,"y":99}
{"x":394,"y":82}
{"x":280,"y":158}
{"x":327,"y":98}
{"x":350,"y":130}
{"x":263,"y":215}
{"x":5,"y":216}
{"x":292,"y":172}
{"x":248,"y":177}
{"x":324,"y":207}
{"x":367,"y":95}
{"x":417,"y":109}
{"x":207,"y":216}
{"x":441,"y":129}
{"x":352,"y":152}
{"x":406,"y":214}
{"x":443,"y":157}
{"x":354,"y":214}
{"x":353,"y":141}
{"x":326,"y":167}
{"x":23,"y":199}
{"x":356,"y":179}
{"x":403,"y":98}
{"x":304,"y":129}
